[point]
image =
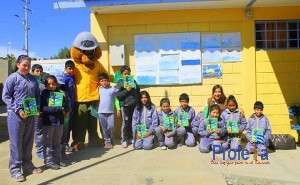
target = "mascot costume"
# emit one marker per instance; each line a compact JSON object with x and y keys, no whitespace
{"x":85,"y":52}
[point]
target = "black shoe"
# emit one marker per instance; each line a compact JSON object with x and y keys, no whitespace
{"x":62,"y":164}
{"x":53,"y":166}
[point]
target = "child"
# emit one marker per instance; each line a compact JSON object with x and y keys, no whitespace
{"x":165,"y":136}
{"x":70,"y":91}
{"x":195,"y":125}
{"x":128,"y":98}
{"x":18,"y":86}
{"x":209,"y":136}
{"x":235,"y":122}
{"x":184,"y":115}
{"x":53,"y":120}
{"x":36,"y":71}
{"x":259,"y":123}
{"x":145,"y":120}
{"x":106,"y":109}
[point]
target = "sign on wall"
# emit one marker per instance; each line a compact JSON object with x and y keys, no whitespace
{"x":162,"y":59}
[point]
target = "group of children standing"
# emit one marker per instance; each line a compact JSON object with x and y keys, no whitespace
{"x":220,"y":123}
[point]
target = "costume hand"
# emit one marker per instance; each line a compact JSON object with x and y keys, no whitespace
{"x":118,"y":113}
{"x":22,"y":115}
{"x":163,"y":129}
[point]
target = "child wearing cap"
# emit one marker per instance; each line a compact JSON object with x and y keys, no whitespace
{"x":18,"y":86}
{"x":54,"y":103}
{"x":106,"y":109}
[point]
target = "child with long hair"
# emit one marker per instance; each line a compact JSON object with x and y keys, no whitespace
{"x":19,"y":86}
{"x":53,"y":120}
{"x":211,"y":129}
{"x":144,"y":122}
{"x":235,"y":122}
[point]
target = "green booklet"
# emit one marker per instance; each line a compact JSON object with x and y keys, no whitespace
{"x":257,"y":135}
{"x":183,"y":117}
{"x":30,"y":107}
{"x":169,"y":123}
{"x":211,"y":124}
{"x":141,"y":129}
{"x":232,"y":126}
{"x":55,"y":99}
{"x":129,"y":80}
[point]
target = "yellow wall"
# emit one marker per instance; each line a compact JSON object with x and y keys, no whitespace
{"x":260,"y":75}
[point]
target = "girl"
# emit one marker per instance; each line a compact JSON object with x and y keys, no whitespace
{"x":218,"y":97}
{"x":165,"y":135}
{"x":18,"y":86}
{"x":144,"y":122}
{"x":53,"y":120}
{"x":211,"y":129}
{"x":234,"y":121}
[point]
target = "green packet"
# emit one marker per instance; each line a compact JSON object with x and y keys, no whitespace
{"x":55,"y":99}
{"x":141,"y":129}
{"x":183,"y":117}
{"x":211,"y":124}
{"x":30,"y":107}
{"x":169,"y":123}
{"x":129,"y":80}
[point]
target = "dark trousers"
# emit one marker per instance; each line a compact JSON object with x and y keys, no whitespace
{"x":126,"y":129}
{"x":52,"y":146}
{"x":83,"y":121}
{"x":21,"y":133}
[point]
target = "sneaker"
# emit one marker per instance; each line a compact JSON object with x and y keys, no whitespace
{"x":40,"y":155}
{"x":124,"y":144}
{"x":130,"y":141}
{"x":163,"y":148}
{"x":19,"y":178}
{"x":69,"y":149}
{"x":62,"y":164}
{"x":53,"y":166}
{"x":108,"y":146}
{"x":37,"y":170}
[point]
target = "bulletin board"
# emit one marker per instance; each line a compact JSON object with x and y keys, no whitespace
{"x":167,"y":59}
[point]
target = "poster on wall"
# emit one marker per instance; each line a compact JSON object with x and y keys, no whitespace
{"x":231,"y":47}
{"x":163,"y":59}
{"x":212,"y":71}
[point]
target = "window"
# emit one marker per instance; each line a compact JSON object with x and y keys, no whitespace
{"x":277,"y":34}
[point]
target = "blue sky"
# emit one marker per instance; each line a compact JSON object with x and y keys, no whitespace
{"x":50,"y":30}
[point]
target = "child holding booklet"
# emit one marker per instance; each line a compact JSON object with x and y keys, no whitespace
{"x":184,"y":115}
{"x":18,"y":88}
{"x":258,"y":130}
{"x":211,"y":129}
{"x":144,"y":122}
{"x":53,"y":105}
{"x":235,"y":122}
{"x":167,"y":128}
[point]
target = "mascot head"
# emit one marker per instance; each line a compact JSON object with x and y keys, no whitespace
{"x":86,"y":50}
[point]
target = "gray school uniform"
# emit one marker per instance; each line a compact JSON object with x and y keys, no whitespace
{"x":234,"y":139}
{"x":162,"y":136}
{"x":186,"y":132}
{"x":38,"y":128}
{"x":195,"y":124}
{"x":21,"y":131}
{"x":149,"y":117}
{"x":209,"y":140}
{"x":106,"y":112}
{"x":263,"y":123}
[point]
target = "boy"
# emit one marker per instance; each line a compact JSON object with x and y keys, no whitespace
{"x":128,"y":98}
{"x":37,"y":71}
{"x":106,"y":109}
{"x":258,"y":130}
{"x":70,"y":91}
{"x":184,"y":115}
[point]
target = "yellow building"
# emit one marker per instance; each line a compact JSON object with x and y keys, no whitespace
{"x":270,"y":66}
